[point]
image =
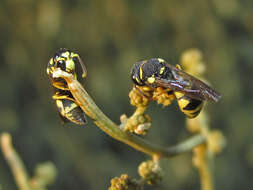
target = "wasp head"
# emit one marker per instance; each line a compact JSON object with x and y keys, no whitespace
{"x":136,"y":75}
{"x":65,"y":60}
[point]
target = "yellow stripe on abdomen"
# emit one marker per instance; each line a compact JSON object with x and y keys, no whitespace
{"x":190,"y":107}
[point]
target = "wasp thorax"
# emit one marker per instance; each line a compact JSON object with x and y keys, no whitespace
{"x":151,"y":67}
{"x":155,"y":67}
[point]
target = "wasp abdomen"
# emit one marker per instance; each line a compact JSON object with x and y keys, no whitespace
{"x":190,"y":107}
{"x":71,"y":111}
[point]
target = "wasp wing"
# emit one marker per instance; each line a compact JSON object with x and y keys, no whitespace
{"x":191,"y":86}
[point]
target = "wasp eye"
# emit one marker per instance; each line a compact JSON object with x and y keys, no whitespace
{"x":61,"y":65}
{"x":136,"y":80}
{"x":75,"y":59}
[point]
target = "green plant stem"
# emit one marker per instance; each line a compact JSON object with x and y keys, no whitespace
{"x":109,"y":127}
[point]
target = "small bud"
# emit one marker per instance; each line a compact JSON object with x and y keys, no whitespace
{"x":162,"y":96}
{"x":123,"y":118}
{"x":123,"y":121}
{"x":124,"y":182}
{"x":192,"y":62}
{"x":193,"y":125}
{"x":150,"y":171}
{"x":137,"y":98}
{"x":138,"y":124}
{"x":45,"y":174}
{"x":142,"y":129}
{"x":216,"y":141}
{"x":198,"y":159}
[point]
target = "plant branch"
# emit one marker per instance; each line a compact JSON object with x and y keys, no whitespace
{"x":109,"y":127}
{"x":45,"y":173}
{"x":192,"y":61}
{"x":15,"y":163}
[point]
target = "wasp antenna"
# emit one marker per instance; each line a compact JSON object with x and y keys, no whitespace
{"x":83,"y":67}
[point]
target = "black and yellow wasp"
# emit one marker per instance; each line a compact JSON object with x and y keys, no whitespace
{"x":69,"y":110}
{"x":188,"y":90}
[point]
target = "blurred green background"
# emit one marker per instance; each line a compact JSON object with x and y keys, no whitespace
{"x":111,"y":36}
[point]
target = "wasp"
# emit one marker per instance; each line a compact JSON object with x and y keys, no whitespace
{"x":189,"y":91}
{"x":67,"y":106}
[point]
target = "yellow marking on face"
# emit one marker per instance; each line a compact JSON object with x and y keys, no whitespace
{"x":135,"y":78}
{"x":50,"y":70}
{"x":162,"y":70}
{"x":151,"y":80}
{"x":51,"y":62}
{"x":60,"y":59}
{"x":74,"y":54}
{"x":141,"y":73}
{"x":65,"y":54}
{"x":70,"y":65}
{"x":160,"y":60}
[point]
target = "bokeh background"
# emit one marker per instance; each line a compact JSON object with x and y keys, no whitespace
{"x":111,"y":36}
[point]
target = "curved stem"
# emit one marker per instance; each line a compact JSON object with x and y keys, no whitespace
{"x":109,"y":127}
